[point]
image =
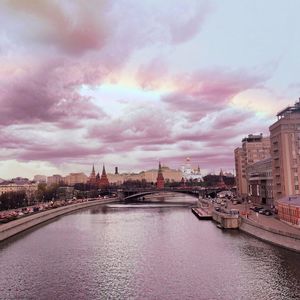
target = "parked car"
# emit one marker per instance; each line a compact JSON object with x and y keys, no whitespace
{"x":267,"y":212}
{"x":256,"y":208}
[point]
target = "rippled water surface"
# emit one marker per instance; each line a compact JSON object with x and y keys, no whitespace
{"x":146,"y":253}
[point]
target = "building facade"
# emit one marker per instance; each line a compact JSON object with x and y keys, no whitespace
{"x":74,"y":178}
{"x":40,"y":178}
{"x":28,"y":188}
{"x":54,"y":179}
{"x":260,"y":182}
{"x":289,"y":210}
{"x":285,"y":151}
{"x":254,"y":148}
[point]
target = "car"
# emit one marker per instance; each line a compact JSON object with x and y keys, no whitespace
{"x":256,"y":208}
{"x":267,"y":212}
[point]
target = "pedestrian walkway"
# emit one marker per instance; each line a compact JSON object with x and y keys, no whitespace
{"x":266,"y":221}
{"x":272,"y":222}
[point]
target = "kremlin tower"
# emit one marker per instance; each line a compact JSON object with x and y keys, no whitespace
{"x":97,"y":180}
{"x":221,"y":183}
{"x":104,"y":183}
{"x":160,"y":181}
{"x":92,"y":178}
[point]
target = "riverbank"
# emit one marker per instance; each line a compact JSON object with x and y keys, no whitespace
{"x":14,"y":227}
{"x":277,"y":234}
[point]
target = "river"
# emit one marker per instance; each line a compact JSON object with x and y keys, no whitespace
{"x":143,"y":252}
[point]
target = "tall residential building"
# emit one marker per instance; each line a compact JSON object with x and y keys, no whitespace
{"x":254,"y":148}
{"x":285,"y":152}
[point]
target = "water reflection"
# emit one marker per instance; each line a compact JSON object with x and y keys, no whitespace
{"x":161,"y":252}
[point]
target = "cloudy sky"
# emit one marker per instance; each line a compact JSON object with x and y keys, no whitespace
{"x":130,"y":82}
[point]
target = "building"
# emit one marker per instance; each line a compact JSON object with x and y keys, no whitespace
{"x":240,"y":177}
{"x":74,"y":178}
{"x":254,"y":148}
{"x":103,"y":183}
{"x":54,"y":179}
{"x":40,"y":178}
{"x":285,"y":152}
{"x":260,"y":182}
{"x":160,"y":181}
{"x":221,"y":184}
{"x":149,"y":176}
{"x":92,"y":178}
{"x":289,"y":209}
{"x":28,"y":188}
{"x":189,"y":173}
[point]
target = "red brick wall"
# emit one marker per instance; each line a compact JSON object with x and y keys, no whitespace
{"x":289,"y":213}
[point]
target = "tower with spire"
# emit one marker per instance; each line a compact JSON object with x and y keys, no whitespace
{"x":92,"y":178}
{"x":221,"y":182}
{"x":160,"y":181}
{"x":104,"y":183}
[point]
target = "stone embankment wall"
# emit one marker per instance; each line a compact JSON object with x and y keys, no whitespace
{"x":287,"y":240}
{"x":14,"y":227}
{"x":226,"y":221}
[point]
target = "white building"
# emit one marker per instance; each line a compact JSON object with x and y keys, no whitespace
{"x":190,"y":173}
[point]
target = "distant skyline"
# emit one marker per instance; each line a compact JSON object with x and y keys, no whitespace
{"x":128,"y":83}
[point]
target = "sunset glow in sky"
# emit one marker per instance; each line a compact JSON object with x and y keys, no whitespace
{"x":130,"y":82}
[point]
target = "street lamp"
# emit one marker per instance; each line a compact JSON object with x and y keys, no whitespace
{"x":290,"y":210}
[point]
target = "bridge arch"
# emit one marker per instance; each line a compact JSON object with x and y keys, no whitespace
{"x":135,"y":196}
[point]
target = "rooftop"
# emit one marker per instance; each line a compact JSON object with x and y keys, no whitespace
{"x":253,"y":138}
{"x":289,"y":110}
{"x":293,"y":200}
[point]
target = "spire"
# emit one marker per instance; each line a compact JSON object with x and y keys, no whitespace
{"x":221,"y":172}
{"x":104,"y":183}
{"x":103,"y":171}
{"x":92,"y":178}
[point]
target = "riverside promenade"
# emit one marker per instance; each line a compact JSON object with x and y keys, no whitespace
{"x":272,"y":230}
{"x":14,"y":227}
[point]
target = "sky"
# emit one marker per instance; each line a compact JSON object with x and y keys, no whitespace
{"x":128,"y":83}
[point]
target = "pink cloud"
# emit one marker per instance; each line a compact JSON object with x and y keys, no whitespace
{"x":70,"y":27}
{"x":47,"y":94}
{"x":203,"y":92}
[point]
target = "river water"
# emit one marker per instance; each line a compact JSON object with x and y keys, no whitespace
{"x":143,"y":252}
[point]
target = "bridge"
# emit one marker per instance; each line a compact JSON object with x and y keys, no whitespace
{"x":138,"y":193}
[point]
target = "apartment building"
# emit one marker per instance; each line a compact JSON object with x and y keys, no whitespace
{"x":285,"y":152}
{"x":254,"y":148}
{"x":260,"y":182}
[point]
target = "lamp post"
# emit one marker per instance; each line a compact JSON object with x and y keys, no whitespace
{"x":290,"y":217}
